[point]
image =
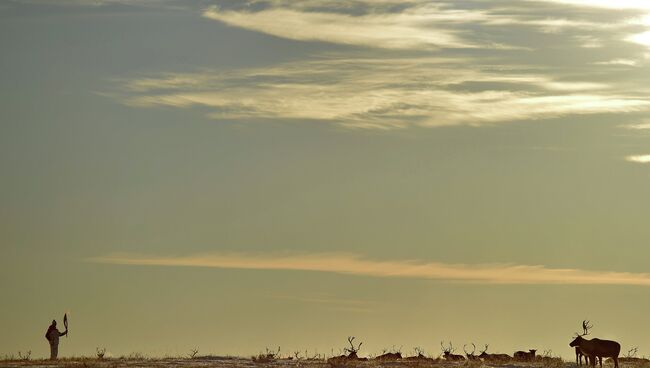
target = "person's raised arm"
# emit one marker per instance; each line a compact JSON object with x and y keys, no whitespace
{"x":63,"y":333}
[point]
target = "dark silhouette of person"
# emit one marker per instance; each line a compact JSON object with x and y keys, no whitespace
{"x":52,"y":335}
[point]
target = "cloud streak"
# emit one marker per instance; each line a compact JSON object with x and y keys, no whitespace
{"x":639,"y":126}
{"x":349,"y":264}
{"x":452,"y":68}
{"x":606,"y":4}
{"x":420,"y":25}
{"x":640,"y":159}
{"x":410,"y":29}
{"x":381,"y":93}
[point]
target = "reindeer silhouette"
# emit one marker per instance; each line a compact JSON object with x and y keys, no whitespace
{"x":596,"y":348}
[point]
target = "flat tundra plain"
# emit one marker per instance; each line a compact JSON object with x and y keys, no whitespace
{"x":232,"y":362}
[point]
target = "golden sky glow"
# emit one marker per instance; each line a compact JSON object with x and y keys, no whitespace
{"x":230,"y":175}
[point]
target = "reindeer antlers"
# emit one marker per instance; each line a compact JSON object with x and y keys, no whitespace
{"x":632,"y":352}
{"x":586,"y":327}
{"x":486,"y":348}
{"x":448,"y":350}
{"x":352,"y":349}
{"x":465,"y":350}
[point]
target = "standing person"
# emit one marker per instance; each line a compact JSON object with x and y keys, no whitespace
{"x":52,"y":335}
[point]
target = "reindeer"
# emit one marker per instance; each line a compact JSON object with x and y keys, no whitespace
{"x":525,"y":356}
{"x":395,"y":354}
{"x":596,"y":348}
{"x":419,"y":357}
{"x":352,"y":354}
{"x":493,"y":357}
{"x":470,"y":356}
{"x":267,"y":357}
{"x":448,"y":352}
{"x":579,"y":356}
{"x":631,"y":357}
{"x":389,"y":356}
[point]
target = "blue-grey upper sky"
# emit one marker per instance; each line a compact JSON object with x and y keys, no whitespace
{"x":231,"y":175}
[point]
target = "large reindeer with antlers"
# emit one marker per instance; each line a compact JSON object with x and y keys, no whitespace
{"x":352,"y":354}
{"x":596,"y":348}
{"x":579,"y":356}
{"x":448,"y":352}
{"x":470,"y":356}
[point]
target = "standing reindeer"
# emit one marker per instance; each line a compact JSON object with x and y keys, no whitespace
{"x":448,"y":352}
{"x":579,"y":356}
{"x":596,"y":348}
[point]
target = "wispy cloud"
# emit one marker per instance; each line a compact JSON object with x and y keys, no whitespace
{"x":638,"y":126}
{"x":607,"y":4}
{"x":409,"y":29}
{"x":95,"y":3}
{"x":381,"y":93}
{"x":417,"y":25}
{"x":348,"y":264}
{"x":364,"y":86}
{"x":640,"y":159}
{"x":625,"y":62}
{"x":640,"y":38}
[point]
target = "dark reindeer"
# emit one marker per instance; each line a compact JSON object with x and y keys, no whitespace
{"x":631,"y":357}
{"x":579,"y":356}
{"x":448,"y":352}
{"x":470,"y":356}
{"x":396,"y":354}
{"x":389,"y":356}
{"x":493,"y":357}
{"x":352,"y":354}
{"x":420,"y":357}
{"x":596,"y":348}
{"x":528,"y":356}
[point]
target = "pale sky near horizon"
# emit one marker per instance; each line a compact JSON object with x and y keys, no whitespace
{"x":233,"y":175}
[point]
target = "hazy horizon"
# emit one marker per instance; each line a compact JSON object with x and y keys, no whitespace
{"x":234,"y":175}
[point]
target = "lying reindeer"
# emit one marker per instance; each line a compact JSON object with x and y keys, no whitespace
{"x":448,"y":353}
{"x":352,"y":351}
{"x":389,"y":356}
{"x":471,"y":356}
{"x":494,"y":357}
{"x":525,"y":356}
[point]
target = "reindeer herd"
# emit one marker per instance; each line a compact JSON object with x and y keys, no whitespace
{"x":351,"y":354}
{"x":448,"y":354}
{"x":592,"y":350}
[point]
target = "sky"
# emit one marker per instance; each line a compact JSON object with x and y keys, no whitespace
{"x":232,"y":175}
